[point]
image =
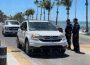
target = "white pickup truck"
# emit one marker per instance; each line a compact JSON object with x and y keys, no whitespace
{"x":10,"y":27}
{"x":40,"y":34}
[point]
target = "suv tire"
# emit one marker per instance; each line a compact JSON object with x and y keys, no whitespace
{"x":18,"y":44}
{"x":63,"y":50}
{"x":27,"y":47}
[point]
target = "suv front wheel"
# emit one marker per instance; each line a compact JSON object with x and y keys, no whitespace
{"x":18,"y":44}
{"x":63,"y":50}
{"x":27,"y":47}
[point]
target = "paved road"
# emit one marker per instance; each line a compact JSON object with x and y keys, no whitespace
{"x":70,"y":57}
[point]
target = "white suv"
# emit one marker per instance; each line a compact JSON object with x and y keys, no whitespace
{"x":40,"y":34}
{"x":10,"y":27}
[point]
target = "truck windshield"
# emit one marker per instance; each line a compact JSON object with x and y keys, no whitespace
{"x":12,"y":23}
{"x":41,"y":26}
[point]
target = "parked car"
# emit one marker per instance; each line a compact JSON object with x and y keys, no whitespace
{"x":10,"y":27}
{"x":40,"y":34}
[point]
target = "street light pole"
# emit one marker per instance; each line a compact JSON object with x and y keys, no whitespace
{"x":87,"y":30}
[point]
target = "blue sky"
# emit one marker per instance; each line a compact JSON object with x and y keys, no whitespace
{"x":11,"y":7}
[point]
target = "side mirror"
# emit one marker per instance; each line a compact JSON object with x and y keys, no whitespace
{"x":22,"y":28}
{"x":2,"y":23}
{"x":60,"y":30}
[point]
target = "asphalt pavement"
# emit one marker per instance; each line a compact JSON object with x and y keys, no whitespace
{"x":16,"y":55}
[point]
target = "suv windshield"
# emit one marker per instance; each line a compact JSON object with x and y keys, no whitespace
{"x":41,"y":26}
{"x":12,"y":23}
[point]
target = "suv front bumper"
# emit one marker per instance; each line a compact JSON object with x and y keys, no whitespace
{"x":10,"y":32}
{"x":40,"y":44}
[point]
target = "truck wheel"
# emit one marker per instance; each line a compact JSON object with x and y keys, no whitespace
{"x":18,"y":44}
{"x":2,"y":32}
{"x":27,"y":47}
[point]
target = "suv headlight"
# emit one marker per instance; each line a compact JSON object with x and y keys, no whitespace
{"x":63,"y":37}
{"x":6,"y":28}
{"x":35,"y":36}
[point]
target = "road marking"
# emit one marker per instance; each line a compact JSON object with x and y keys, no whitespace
{"x":11,"y":60}
{"x":19,"y":57}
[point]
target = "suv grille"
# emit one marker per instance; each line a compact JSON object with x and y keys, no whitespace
{"x":50,"y":39}
{"x":13,"y":28}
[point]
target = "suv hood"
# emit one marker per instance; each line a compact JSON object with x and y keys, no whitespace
{"x":46,"y":33}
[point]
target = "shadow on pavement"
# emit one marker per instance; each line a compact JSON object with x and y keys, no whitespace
{"x":80,"y":53}
{"x":51,"y":56}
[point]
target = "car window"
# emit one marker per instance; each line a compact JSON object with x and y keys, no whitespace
{"x":23,"y":26}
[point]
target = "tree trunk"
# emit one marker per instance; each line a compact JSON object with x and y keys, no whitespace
{"x":28,"y":18}
{"x":48,"y":15}
{"x":44,"y":13}
{"x":41,"y":14}
{"x":57,"y":15}
{"x":32,"y":17}
{"x":37,"y":14}
{"x":87,"y":30}
{"x":67,"y":13}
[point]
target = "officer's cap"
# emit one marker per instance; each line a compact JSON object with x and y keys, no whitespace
{"x":75,"y":19}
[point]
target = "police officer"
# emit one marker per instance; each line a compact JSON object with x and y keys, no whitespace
{"x":68,"y":32}
{"x":75,"y":32}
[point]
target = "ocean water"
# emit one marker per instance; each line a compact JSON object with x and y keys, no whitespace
{"x":62,"y":24}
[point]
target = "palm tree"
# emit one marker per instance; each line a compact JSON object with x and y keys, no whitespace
{"x":42,"y":5}
{"x":44,"y":8}
{"x":48,"y":6}
{"x":32,"y":12}
{"x":2,"y":16}
{"x":87,"y":30}
{"x":19,"y":16}
{"x":67,"y":4}
{"x":29,"y":13}
{"x":37,"y":3}
{"x":58,"y":3}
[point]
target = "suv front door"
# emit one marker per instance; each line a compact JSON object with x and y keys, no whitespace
{"x":22,"y":31}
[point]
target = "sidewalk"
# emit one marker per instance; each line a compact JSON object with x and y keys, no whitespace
{"x":17,"y":57}
{"x":11,"y":60}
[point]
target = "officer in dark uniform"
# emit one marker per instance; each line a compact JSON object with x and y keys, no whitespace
{"x":68,"y":32}
{"x":75,"y":32}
